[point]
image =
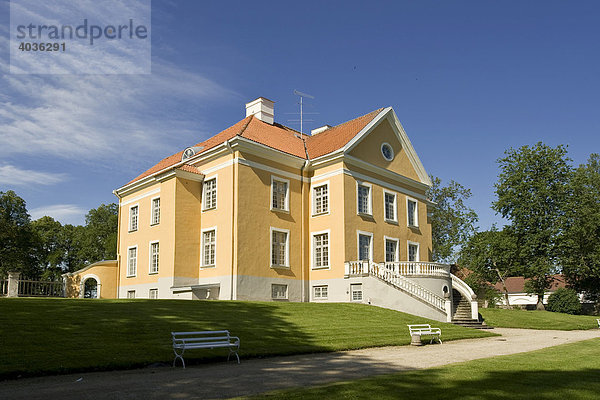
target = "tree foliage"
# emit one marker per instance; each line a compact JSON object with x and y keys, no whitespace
{"x":564,"y":301}
{"x":532,"y":191}
{"x":492,"y":255}
{"x":452,"y":222}
{"x":46,"y":249}
{"x":580,"y":238}
{"x":17,"y":240}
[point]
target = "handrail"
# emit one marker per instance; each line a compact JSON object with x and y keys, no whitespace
{"x":462,"y":287}
{"x":392,"y":277}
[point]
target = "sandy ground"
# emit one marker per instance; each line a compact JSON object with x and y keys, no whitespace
{"x":224,"y":380}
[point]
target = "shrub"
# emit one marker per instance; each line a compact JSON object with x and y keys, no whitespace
{"x":564,"y":301}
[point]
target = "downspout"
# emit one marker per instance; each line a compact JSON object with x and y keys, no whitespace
{"x":116,"y":193}
{"x":302,"y":240}
{"x":233,"y":206}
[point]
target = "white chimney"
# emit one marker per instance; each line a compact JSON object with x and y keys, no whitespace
{"x":319,"y":130}
{"x":263,"y":109}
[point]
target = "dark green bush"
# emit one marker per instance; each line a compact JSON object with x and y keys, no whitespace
{"x":564,"y":301}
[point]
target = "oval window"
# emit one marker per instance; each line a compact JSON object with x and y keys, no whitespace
{"x":387,"y":151}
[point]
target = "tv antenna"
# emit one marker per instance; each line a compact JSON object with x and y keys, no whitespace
{"x":302,"y":96}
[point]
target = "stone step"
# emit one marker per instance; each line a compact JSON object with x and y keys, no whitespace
{"x":471,"y":323}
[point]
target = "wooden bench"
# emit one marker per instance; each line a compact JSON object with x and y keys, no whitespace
{"x":425,"y":330}
{"x":183,"y":341}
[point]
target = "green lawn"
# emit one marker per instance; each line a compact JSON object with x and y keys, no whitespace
{"x":47,"y":336}
{"x":569,"y":371}
{"x":537,"y":319}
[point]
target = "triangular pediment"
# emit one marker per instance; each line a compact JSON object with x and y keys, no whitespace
{"x":386,"y":131}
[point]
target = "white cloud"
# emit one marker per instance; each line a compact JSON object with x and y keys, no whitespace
{"x":102,"y":119}
{"x":14,"y":176}
{"x":65,"y":213}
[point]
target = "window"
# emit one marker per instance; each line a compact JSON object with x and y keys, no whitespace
{"x":364,"y":199}
{"x":411,"y":212}
{"x":356,"y":291}
{"x":153,"y":293}
{"x":279,"y":194}
{"x":389,"y":206}
{"x":132,"y":261}
{"x":321,"y":250}
{"x":155,"y":211}
{"x":209,"y":247}
{"x":321,"y":199}
{"x":320,"y":292}
{"x":279,"y":248}
{"x":387,"y":152}
{"x":131,"y":294}
{"x":413,"y":251}
{"x":279,"y":291}
{"x":391,"y":250}
{"x":210,"y":194}
{"x":364,"y":246}
{"x":133,"y":218}
{"x":154,"y":256}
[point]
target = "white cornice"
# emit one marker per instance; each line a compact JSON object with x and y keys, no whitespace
{"x":385,"y":172}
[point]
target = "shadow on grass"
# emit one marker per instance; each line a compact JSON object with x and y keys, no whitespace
{"x":42,"y":336}
{"x":439,"y":384}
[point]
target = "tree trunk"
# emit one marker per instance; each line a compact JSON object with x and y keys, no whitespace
{"x":540,"y":303}
{"x":503,"y":286}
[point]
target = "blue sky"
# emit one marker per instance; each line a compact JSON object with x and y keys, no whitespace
{"x":468,"y":79}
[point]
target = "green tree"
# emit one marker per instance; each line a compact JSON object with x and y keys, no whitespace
{"x":99,"y":239}
{"x":17,"y":241}
{"x":452,"y":222}
{"x":532,"y":191}
{"x":580,"y":250}
{"x":50,"y":251}
{"x":492,"y":255}
{"x":71,"y":238}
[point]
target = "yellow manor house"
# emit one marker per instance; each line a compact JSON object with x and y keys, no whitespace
{"x":262,"y":212}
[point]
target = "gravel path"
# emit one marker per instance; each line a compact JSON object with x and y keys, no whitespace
{"x":224,"y":380}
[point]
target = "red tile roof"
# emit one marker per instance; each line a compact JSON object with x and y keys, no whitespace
{"x":278,"y":137}
{"x":516,"y":284}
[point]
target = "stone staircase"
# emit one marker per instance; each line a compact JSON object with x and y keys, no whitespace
{"x":462,"y":313}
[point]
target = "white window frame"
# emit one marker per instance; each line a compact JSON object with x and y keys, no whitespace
{"x":150,"y":258}
{"x":131,"y":294}
{"x":395,"y":217}
{"x":416,"y":224}
{"x":286,"y":291}
{"x":137,"y":222}
{"x":153,"y":290}
{"x":313,"y":249}
{"x":391,"y":148}
{"x":202,"y":250}
{"x":287,"y":247}
{"x":287,"y":194}
{"x":128,"y":260}
{"x":369,"y":201}
{"x":314,"y":198}
{"x":354,"y":285}
{"x":321,"y":287}
{"x":358,"y":234}
{"x":391,"y":239}
{"x":408,"y":244}
{"x":204,"y":197}
{"x":152,"y":223}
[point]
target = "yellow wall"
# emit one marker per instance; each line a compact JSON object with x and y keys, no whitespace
{"x":369,"y":150}
{"x":164,"y":232}
{"x":105,"y":271}
{"x":255,"y":218}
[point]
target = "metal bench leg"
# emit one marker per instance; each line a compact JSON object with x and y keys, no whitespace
{"x":180,"y":356}
{"x":233,"y":352}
